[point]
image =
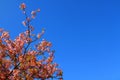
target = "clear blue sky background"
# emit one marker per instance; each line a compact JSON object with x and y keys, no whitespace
{"x":84,"y":33}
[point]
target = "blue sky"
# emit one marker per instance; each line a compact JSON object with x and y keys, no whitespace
{"x":84,"y":33}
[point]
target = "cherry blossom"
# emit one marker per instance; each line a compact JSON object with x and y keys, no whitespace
{"x":20,"y":59}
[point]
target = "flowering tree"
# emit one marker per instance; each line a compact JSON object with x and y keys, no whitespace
{"x":20,"y":62}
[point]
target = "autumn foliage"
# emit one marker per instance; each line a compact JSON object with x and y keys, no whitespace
{"x":21,"y":61}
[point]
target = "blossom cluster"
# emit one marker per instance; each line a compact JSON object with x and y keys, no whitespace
{"x":18,"y":61}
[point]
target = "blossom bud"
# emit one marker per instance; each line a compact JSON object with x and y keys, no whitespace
{"x":22,"y":6}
